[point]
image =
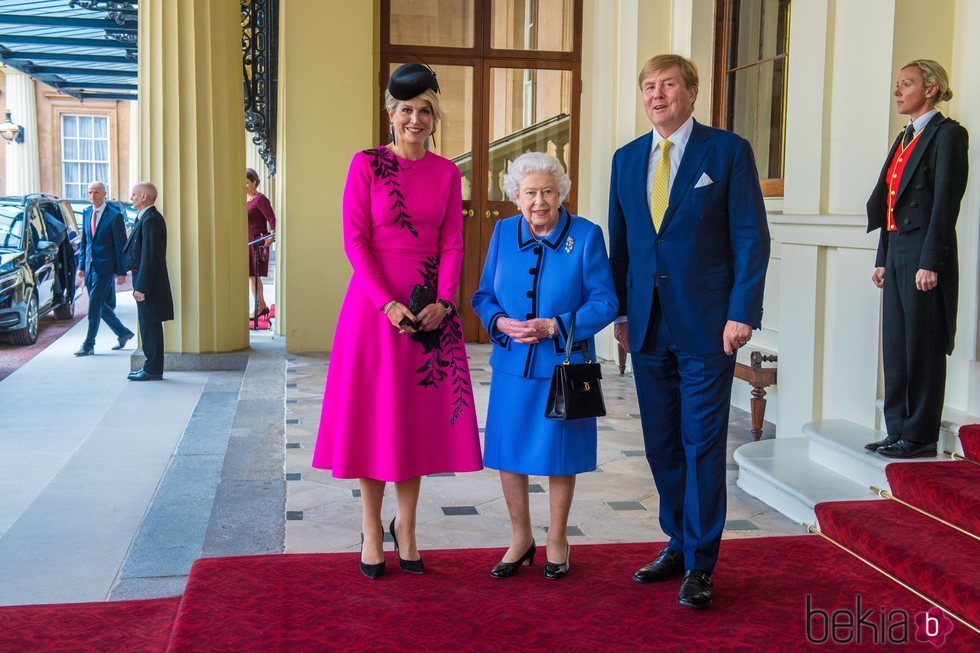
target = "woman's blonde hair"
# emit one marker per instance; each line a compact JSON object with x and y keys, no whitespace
{"x":430,"y":96}
{"x":933,"y":74}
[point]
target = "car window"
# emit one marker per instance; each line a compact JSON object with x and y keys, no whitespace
{"x":11,"y":227}
{"x":37,"y":231}
{"x":53,"y":220}
{"x":68,"y":216}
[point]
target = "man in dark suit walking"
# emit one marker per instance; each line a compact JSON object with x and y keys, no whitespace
{"x":146,"y":256}
{"x":103,"y":241}
{"x":689,"y":248}
{"x":915,"y":204}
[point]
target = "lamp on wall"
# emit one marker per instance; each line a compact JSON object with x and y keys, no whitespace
{"x":10,"y":131}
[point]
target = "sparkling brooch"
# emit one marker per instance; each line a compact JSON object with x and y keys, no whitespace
{"x":569,"y":244}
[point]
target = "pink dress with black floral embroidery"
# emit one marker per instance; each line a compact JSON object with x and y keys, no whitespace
{"x":393,"y":410}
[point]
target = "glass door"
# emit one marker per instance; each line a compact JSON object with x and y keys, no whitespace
{"x":509,"y":74}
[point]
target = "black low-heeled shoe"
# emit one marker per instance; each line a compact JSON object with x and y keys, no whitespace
{"x":507,"y":569}
{"x":411,"y":566}
{"x":555,"y":571}
{"x":371,"y":571}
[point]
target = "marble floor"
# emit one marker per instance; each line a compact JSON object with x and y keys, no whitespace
{"x":617,"y":503}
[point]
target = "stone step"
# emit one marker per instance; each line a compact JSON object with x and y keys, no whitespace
{"x":781,"y":473}
{"x":838,"y":444}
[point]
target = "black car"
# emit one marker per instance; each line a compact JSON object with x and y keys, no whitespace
{"x":38,"y":240}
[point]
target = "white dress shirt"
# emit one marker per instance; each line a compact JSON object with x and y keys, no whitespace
{"x":920,"y":123}
{"x":143,"y":210}
{"x":678,"y":141}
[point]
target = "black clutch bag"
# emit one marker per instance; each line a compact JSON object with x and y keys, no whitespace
{"x":421,"y":297}
{"x":575,"y":390}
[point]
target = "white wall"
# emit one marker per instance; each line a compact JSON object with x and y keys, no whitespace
{"x":822,"y":314}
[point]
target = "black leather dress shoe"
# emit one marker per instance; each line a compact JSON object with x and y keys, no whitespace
{"x":143,"y":375}
{"x":667,"y":565}
{"x":696,"y":589}
{"x":554,"y":571}
{"x":887,"y":441}
{"x":85,"y":351}
{"x":122,"y":341}
{"x":908,"y":449}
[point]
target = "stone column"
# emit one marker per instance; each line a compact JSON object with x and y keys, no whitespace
{"x":191,"y":124}
{"x":23,"y":164}
{"x":315,"y":148}
{"x":133,"y":173}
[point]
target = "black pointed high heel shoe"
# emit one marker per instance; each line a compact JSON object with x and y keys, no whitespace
{"x":411,"y":566}
{"x":507,"y":569}
{"x":371,"y":571}
{"x":556,"y":571}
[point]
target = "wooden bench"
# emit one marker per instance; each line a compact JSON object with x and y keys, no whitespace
{"x":754,"y":374}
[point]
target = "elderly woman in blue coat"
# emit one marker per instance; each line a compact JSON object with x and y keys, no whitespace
{"x":543,"y":266}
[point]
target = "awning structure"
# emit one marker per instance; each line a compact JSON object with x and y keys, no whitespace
{"x":83,"y":48}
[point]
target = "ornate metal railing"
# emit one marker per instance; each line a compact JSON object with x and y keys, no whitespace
{"x":260,"y":64}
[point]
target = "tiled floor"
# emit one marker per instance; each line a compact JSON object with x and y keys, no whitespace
{"x":617,"y":503}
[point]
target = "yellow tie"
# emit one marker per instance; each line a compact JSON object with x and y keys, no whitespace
{"x":660,"y":194}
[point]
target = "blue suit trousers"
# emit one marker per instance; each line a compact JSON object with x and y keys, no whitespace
{"x":684,"y":406}
{"x":102,"y":306}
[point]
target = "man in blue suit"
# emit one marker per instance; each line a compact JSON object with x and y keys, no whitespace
{"x":103,"y":239}
{"x":689,"y":247}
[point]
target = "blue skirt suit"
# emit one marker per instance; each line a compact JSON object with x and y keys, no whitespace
{"x":523,"y":278}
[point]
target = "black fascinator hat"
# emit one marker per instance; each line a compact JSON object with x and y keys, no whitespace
{"x":410,"y":80}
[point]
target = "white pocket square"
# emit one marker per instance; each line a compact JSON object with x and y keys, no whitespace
{"x":705,"y":180}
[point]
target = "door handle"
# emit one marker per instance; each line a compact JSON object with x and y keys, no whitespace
{"x":492,"y":214}
{"x":468,"y":213}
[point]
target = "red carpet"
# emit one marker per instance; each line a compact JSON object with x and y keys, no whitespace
{"x":772,"y":594}
{"x":305,"y":602}
{"x":940,"y":562}
{"x":950,"y":490}
{"x":123,"y":626}
{"x":12,"y":357}
{"x":970,"y":439}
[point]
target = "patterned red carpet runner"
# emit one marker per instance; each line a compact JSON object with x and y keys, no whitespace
{"x":950,"y":490}
{"x":128,"y":626}
{"x":970,"y":439}
{"x":772,"y":594}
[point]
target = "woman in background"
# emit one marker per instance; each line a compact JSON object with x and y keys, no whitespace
{"x":261,"y":222}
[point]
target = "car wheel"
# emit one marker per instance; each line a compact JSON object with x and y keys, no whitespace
{"x":65,"y":311}
{"x":28,"y":335}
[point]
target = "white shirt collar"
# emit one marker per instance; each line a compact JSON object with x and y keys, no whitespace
{"x":678,"y":139}
{"x":142,"y":211}
{"x":920,"y":123}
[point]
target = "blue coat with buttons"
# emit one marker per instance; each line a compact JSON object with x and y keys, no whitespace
{"x":523,"y":278}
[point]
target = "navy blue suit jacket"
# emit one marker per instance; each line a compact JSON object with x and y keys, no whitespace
{"x":102,"y":254}
{"x":708,"y":262}
{"x":566,"y":273}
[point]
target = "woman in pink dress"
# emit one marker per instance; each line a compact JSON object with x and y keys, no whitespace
{"x":396,"y":409}
{"x":261,"y":222}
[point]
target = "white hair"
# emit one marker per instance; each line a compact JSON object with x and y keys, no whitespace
{"x":532,"y":162}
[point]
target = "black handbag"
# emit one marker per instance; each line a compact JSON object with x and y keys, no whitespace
{"x":421,"y":297}
{"x":576,"y":391}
